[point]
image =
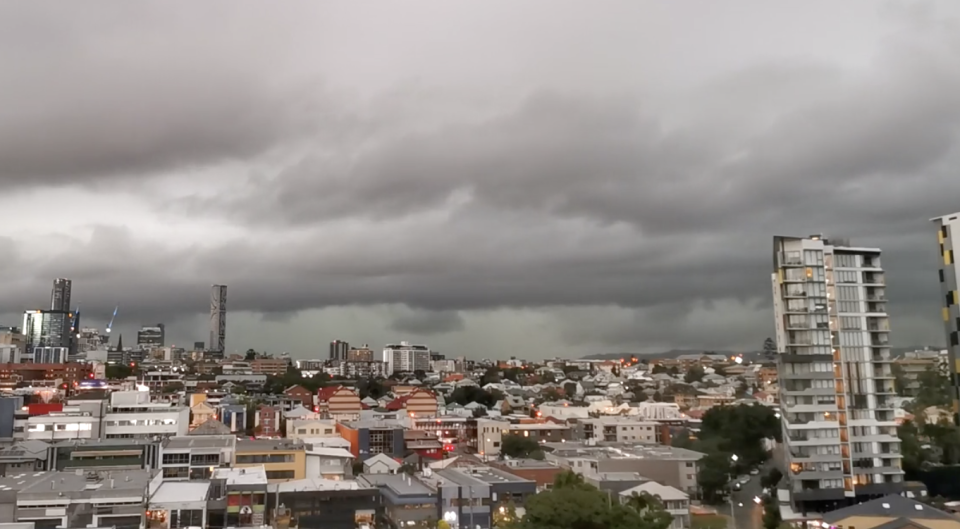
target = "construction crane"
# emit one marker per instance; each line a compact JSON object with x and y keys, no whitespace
{"x":110,"y":325}
{"x":76,"y":318}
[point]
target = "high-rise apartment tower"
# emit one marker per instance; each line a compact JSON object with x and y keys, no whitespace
{"x":948,"y":228}
{"x":218,"y":318}
{"x":60,"y":295}
{"x":339,"y":350}
{"x":834,"y":363}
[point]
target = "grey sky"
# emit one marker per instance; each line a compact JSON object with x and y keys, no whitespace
{"x":490,"y":178}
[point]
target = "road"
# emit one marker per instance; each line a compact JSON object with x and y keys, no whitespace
{"x":747,"y":514}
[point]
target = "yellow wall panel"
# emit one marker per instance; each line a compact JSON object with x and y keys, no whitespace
{"x":946,"y":314}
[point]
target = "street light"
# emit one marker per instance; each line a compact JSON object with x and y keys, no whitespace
{"x":757,"y":500}
{"x":733,"y":513}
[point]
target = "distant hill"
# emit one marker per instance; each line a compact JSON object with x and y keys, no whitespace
{"x":750,"y":355}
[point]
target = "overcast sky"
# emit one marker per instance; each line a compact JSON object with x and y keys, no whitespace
{"x":490,"y":178}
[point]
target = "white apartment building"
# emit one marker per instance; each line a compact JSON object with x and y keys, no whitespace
{"x":618,"y":429}
{"x":63,"y":425}
{"x":406,"y":358}
{"x":10,"y":354}
{"x":949,"y":275}
{"x":132,"y":415}
{"x":836,"y":384}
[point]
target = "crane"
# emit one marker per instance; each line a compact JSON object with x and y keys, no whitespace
{"x":76,"y":319}
{"x":110,"y":325}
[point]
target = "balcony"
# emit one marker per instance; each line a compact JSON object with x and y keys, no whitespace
{"x":794,"y":293}
{"x":873,"y":278}
{"x":792,"y":259}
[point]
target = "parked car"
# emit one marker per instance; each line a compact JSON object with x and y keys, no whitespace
{"x":754,"y":472}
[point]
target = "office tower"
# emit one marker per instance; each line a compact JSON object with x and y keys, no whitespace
{"x":46,"y":328}
{"x":151,"y":336}
{"x":836,"y":384}
{"x":60,"y":295}
{"x":360,"y":354}
{"x":218,"y":318}
{"x":338,"y":350}
{"x":950,"y":300}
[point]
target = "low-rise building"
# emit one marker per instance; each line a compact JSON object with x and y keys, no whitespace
{"x":195,"y":457}
{"x":103,"y":455}
{"x":179,"y":504}
{"x":328,"y":462}
{"x":281,"y":459}
{"x":369,"y":438}
{"x":331,"y":504}
{"x":310,"y":428}
{"x":76,"y":499}
{"x":132,"y":415}
{"x":300,"y":394}
{"x":245,"y":492}
{"x":490,"y":433}
{"x":543,"y":473}
{"x":418,"y":403}
{"x":407,"y":501}
{"x":676,"y":467}
{"x":618,"y":429}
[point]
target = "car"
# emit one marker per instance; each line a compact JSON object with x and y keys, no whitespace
{"x":744,"y":480}
{"x":754,"y":472}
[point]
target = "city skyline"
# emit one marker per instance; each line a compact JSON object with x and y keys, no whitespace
{"x":488,"y":184}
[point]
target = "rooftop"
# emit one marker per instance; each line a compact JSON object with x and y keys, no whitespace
{"x":263,"y":445}
{"x":400,"y":484}
{"x":622,"y":451}
{"x":489,"y":475}
{"x":200,"y":441}
{"x":43,"y":484}
{"x":892,"y":506}
{"x":317,"y":485}
{"x":386,"y":424}
{"x":242,"y":476}
{"x":181,"y":492}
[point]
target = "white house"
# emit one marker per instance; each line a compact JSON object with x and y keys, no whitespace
{"x":380,"y":464}
{"x":675,"y":501}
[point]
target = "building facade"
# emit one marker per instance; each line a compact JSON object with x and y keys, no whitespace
{"x":218,"y":318}
{"x":46,"y":328}
{"x":834,"y":363}
{"x":339,"y":350}
{"x":949,"y":275}
{"x":151,"y":337}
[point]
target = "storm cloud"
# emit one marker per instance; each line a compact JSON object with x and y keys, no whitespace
{"x":438,"y":183}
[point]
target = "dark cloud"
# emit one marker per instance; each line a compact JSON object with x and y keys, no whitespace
{"x":605,"y":217}
{"x":427,"y":323}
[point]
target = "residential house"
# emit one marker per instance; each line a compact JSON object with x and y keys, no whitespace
{"x":201,"y":413}
{"x":339,"y":402}
{"x":380,"y":464}
{"x":311,"y":428}
{"x":268,"y":421}
{"x":281,"y":459}
{"x":674,"y":501}
{"x":417,"y":403}
{"x":301,"y":394}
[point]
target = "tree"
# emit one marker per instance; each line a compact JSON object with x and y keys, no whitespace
{"x":570,"y":390}
{"x":505,"y":515}
{"x":370,"y":387}
{"x":694,"y":374}
{"x":771,"y":513}
{"x":464,"y":395}
{"x":250,"y":355}
{"x":173,"y":387}
{"x":769,"y":348}
{"x":480,"y":412}
{"x":442,"y":524}
{"x":657,"y":369}
{"x":713,"y":476}
{"x":681,"y":439}
{"x":771,"y":479}
{"x":118,"y":371}
{"x":568,"y":478}
{"x":492,"y":376}
{"x":581,"y":506}
{"x":650,"y":509}
{"x":934,"y":390}
{"x":517,"y":446}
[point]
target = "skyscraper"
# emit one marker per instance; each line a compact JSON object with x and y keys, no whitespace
{"x":151,"y":336}
{"x":947,"y":230}
{"x":218,"y":318}
{"x":60,"y":295}
{"x":46,"y":328}
{"x":339,"y":350}
{"x":834,"y":363}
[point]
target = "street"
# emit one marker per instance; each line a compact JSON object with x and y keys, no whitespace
{"x":750,"y":514}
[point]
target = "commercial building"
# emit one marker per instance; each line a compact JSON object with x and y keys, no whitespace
{"x":195,"y":457}
{"x":46,"y":328}
{"x":369,"y":438}
{"x":332,"y":504}
{"x":218,"y":318}
{"x":281,"y":459}
{"x":407,"y":501}
{"x":490,"y":433}
{"x":151,"y":337}
{"x":245,"y":491}
{"x":71,"y":499}
{"x":406,"y":358}
{"x":676,"y":467}
{"x":543,"y":473}
{"x":469,"y":495}
{"x":43,"y":374}
{"x":10,"y":354}
{"x":269,"y":366}
{"x":834,"y":364}
{"x":51,"y":355}
{"x":339,"y":350}
{"x":949,"y":275}
{"x":103,"y":455}
{"x":60,"y":294}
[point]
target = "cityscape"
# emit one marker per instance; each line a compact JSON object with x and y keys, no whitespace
{"x":480,"y":265}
